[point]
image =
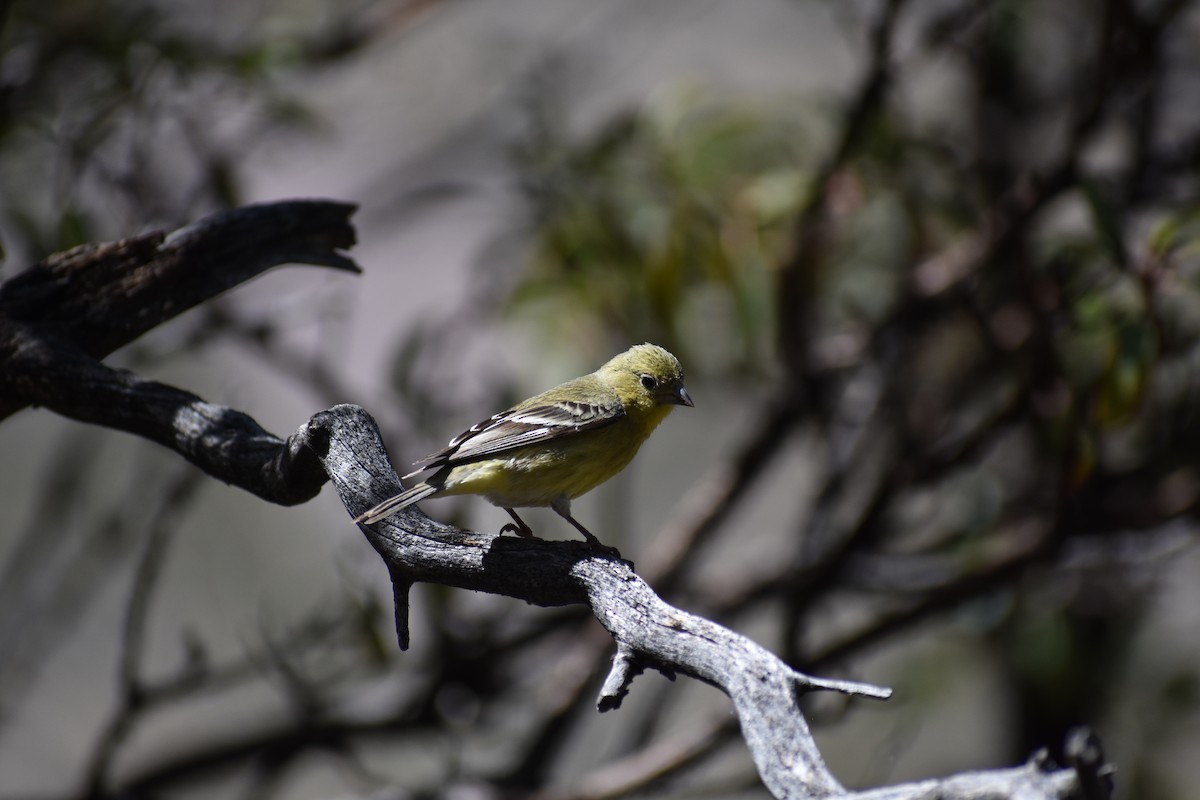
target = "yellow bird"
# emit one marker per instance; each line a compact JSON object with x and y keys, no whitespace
{"x":555,"y":446}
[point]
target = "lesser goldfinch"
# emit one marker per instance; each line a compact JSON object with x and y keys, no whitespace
{"x":555,"y":446}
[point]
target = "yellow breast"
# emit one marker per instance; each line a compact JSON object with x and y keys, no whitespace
{"x":567,"y":467}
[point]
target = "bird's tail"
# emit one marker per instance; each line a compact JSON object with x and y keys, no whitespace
{"x":393,"y":504}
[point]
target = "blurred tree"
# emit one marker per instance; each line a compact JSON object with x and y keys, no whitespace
{"x":122,"y":115}
{"x":976,"y":321}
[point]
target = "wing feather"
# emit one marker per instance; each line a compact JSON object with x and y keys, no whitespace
{"x":523,"y":426}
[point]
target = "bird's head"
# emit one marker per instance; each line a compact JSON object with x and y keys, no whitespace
{"x":647,"y":377}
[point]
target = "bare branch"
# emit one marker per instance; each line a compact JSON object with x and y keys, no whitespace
{"x":59,"y":317}
{"x":652,"y":764}
{"x":132,"y":695}
{"x":625,"y":667}
{"x":765,"y":692}
{"x":100,"y":297}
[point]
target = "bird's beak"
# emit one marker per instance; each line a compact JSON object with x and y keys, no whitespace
{"x":680,"y":397}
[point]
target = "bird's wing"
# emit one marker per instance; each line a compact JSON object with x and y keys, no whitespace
{"x":522,"y":426}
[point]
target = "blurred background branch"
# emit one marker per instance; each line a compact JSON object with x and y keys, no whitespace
{"x":932,"y":267}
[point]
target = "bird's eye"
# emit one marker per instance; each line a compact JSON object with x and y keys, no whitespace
{"x":649,"y":382}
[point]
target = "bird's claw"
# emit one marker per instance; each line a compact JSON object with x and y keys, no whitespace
{"x":608,"y":549}
{"x":512,"y":527}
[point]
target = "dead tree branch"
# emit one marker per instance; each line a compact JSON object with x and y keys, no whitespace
{"x":649,"y":632}
{"x":60,"y":317}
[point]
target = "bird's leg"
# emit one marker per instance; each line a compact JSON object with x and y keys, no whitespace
{"x":586,"y":533}
{"x":518,"y":527}
{"x":563,"y":507}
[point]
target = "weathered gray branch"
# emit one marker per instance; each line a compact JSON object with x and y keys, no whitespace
{"x":649,"y":632}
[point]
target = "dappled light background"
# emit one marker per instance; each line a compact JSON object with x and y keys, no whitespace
{"x":931,"y":268}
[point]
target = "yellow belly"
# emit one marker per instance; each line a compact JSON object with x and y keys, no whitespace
{"x":541,"y":474}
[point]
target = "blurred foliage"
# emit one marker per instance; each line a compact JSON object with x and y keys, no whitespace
{"x":663,"y":226}
{"x":120,"y":115}
{"x":671,"y":225}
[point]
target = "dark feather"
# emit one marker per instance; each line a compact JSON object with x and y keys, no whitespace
{"x":520,"y":427}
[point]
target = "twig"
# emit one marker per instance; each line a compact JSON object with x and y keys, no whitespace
{"x":950,"y":595}
{"x":715,"y":496}
{"x":651,"y":765}
{"x":131,"y":694}
{"x":799,"y":274}
{"x":1086,"y":757}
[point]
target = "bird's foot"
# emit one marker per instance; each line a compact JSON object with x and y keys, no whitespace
{"x":612,"y":551}
{"x":523,"y":531}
